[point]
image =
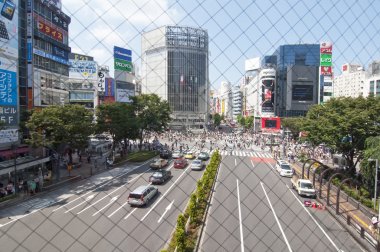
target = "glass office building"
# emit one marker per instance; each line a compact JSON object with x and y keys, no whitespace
{"x":175,"y":67}
{"x":297,"y":78}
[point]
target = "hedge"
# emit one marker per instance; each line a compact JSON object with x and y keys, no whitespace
{"x":182,"y":239}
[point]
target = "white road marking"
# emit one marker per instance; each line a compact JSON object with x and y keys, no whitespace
{"x":85,"y":201}
{"x":122,"y":174}
{"x":158,"y":201}
{"x":252,"y":164}
{"x":166,"y":210}
{"x":117,"y":209}
{"x":251,"y":153}
{"x":240,"y":220}
{"x":108,"y":194}
{"x":275,"y":216}
{"x":316,"y":222}
{"x":235,"y":162}
{"x":126,"y":217}
{"x":111,"y":201}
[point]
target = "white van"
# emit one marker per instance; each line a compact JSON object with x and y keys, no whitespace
{"x":142,"y":195}
{"x":284,"y":168}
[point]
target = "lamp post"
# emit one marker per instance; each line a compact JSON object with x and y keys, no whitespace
{"x":376,"y":167}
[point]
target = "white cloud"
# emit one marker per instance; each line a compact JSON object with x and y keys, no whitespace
{"x":97,"y":25}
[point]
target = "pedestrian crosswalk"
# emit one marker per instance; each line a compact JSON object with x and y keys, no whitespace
{"x":246,"y":154}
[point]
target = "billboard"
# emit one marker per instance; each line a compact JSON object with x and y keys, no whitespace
{"x":123,"y":65}
{"x":124,"y":91}
{"x":270,"y":124}
{"x":77,"y":56}
{"x":8,"y":29}
{"x":80,"y":69}
{"x":8,"y":136}
{"x":122,"y":53}
{"x":326,"y":60}
{"x":326,"y":48}
{"x":252,"y":64}
{"x":326,"y":70}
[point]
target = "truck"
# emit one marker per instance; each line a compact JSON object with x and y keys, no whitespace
{"x":304,"y":187}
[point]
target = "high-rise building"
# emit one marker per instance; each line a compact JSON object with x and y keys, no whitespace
{"x":297,"y":78}
{"x":47,"y":32}
{"x":351,"y":83}
{"x":175,"y":67}
{"x":372,"y":82}
{"x":236,"y":101}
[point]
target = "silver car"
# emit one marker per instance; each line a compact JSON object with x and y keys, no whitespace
{"x":142,"y":195}
{"x":197,"y":164}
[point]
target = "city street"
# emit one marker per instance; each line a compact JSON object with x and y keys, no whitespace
{"x":97,"y":216}
{"x":253,"y":209}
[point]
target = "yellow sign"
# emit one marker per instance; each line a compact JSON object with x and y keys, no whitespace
{"x":223,"y":106}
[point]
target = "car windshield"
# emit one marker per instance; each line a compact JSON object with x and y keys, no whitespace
{"x":306,"y":185}
{"x":286,"y":167}
{"x":179,"y":161}
{"x":196,"y":161}
{"x":157,"y":174}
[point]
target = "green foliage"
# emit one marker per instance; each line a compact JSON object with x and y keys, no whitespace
{"x":56,"y":125}
{"x":241,"y":120}
{"x":118,"y":119}
{"x":196,"y":209}
{"x":293,"y":124}
{"x":152,"y":114}
{"x":367,"y":168}
{"x":340,"y":118}
{"x":249,"y":122}
{"x":217,"y":119}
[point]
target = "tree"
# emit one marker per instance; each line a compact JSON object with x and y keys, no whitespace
{"x":119,"y":120}
{"x":344,"y":124}
{"x":217,"y":119}
{"x":57,"y":126}
{"x":240,"y":120}
{"x":367,"y":168}
{"x":249,"y":122}
{"x":294,"y":124}
{"x":152,"y":114}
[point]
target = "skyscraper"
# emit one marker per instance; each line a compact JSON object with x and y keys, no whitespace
{"x":175,"y":67}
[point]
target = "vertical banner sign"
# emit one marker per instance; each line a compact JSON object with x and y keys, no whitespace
{"x":110,"y":89}
{"x":325,"y":67}
{"x":101,"y":81}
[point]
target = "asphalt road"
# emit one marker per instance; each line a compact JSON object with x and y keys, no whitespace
{"x":253,"y":209}
{"x":94,"y":215}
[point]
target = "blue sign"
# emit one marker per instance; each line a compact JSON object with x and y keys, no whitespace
{"x":29,"y":50}
{"x":122,"y":53}
{"x":60,"y":53}
{"x":49,"y":56}
{"x":8,"y":88}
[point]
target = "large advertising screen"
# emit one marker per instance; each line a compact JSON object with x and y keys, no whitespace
{"x":270,"y":124}
{"x":8,"y":63}
{"x":302,"y":93}
{"x":124,"y":91}
{"x":81,"y":69}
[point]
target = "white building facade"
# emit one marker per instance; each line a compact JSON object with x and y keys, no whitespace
{"x":351,"y":83}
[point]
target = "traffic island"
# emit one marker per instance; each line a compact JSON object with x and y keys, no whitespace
{"x":190,"y":224}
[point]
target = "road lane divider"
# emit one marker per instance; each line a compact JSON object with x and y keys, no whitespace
{"x":276,"y":218}
{"x":85,"y":201}
{"x":315,"y":221}
{"x":166,"y":210}
{"x":100,"y":186}
{"x":240,"y":220}
{"x":126,"y":217}
{"x":108,"y":194}
{"x":109,"y":203}
{"x":167,"y":191}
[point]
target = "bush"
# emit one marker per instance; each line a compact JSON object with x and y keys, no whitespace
{"x":364,"y":193}
{"x":367,"y":202}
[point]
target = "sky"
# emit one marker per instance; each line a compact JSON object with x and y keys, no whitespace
{"x":237,"y":29}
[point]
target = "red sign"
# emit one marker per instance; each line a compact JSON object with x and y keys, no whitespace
{"x":48,"y":30}
{"x":344,"y":68}
{"x":326,"y":48}
{"x":270,"y":124}
{"x":326,"y":70}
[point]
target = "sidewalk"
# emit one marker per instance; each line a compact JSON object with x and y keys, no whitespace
{"x":350,"y":215}
{"x":79,"y":172}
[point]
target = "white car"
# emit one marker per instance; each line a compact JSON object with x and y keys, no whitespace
{"x":177,"y":154}
{"x":197,"y":164}
{"x":284,"y":168}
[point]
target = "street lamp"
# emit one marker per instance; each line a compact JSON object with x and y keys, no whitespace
{"x":376,"y":167}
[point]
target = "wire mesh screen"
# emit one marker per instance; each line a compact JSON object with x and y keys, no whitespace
{"x":254,"y":61}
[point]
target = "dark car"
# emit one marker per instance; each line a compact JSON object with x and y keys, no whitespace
{"x":180,"y":163}
{"x":160,"y":176}
{"x":166,"y":154}
{"x":203,"y":156}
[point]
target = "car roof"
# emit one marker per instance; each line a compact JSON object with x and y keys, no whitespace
{"x":304,"y":181}
{"x":140,"y":189}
